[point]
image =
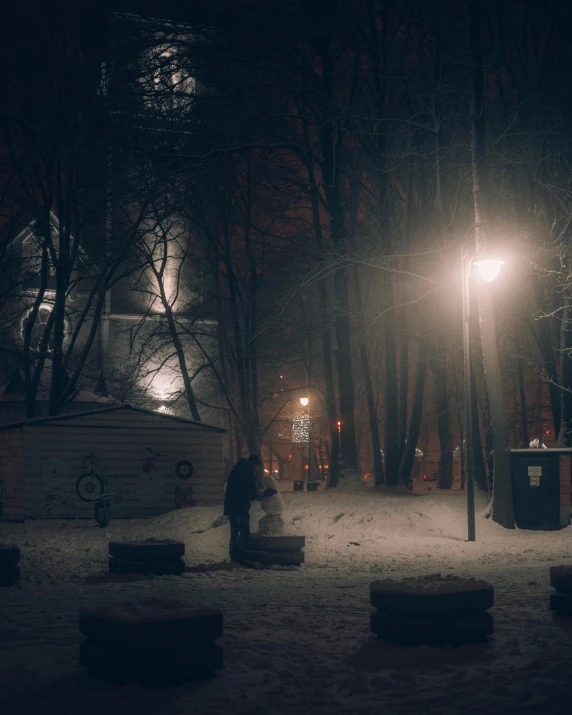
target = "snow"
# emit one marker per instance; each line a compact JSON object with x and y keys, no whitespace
{"x":431,"y":584}
{"x":297,"y":641}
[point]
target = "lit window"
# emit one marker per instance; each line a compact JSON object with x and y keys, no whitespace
{"x":166,"y":84}
{"x":40,"y":325}
{"x":31,"y":256}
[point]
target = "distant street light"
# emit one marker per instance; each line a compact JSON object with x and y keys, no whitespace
{"x":489,"y":269}
{"x":305,"y":401}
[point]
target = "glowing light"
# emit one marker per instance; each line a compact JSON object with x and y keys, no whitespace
{"x":275,"y":471}
{"x":304,"y":401}
{"x":301,"y":429}
{"x":489,"y":268}
{"x":164,"y":409}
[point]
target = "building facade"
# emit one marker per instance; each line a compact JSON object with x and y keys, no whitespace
{"x":109,"y":297}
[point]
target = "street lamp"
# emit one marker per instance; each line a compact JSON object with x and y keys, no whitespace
{"x":489,"y":269}
{"x":305,"y":401}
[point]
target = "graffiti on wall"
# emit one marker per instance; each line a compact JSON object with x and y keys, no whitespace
{"x":55,"y":503}
{"x":151,"y":486}
{"x":54,"y":472}
{"x":94,"y":482}
{"x":184,"y":496}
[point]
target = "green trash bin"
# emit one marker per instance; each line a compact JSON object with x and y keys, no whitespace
{"x":541,"y":488}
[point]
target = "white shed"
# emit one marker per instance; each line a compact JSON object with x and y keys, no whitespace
{"x":149,"y":462}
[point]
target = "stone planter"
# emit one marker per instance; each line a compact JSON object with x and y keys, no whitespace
{"x":561,"y":596}
{"x":156,"y":642}
{"x":432,"y":610}
{"x":151,"y":557}
{"x":275,"y":550}
{"x":9,"y":560}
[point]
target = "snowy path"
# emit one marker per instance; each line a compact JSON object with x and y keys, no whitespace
{"x":310,"y":652}
{"x":298,"y":641}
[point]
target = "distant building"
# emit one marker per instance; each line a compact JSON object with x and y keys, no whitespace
{"x":144,"y":96}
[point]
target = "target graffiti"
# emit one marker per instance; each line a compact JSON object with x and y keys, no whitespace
{"x":184,"y":469}
{"x":89,"y":487}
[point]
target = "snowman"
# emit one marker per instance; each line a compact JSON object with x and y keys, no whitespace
{"x":272,"y":523}
{"x":150,"y":486}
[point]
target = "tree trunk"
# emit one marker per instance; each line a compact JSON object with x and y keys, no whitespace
{"x":391,"y":395}
{"x":461,"y":423}
{"x":502,"y":502}
{"x":58,"y":331}
{"x":371,"y":407}
{"x":479,"y":466}
{"x":348,"y":446}
{"x":444,"y":429}
{"x":403,"y":327}
{"x":565,"y":436}
{"x":326,"y":314}
{"x":502,"y":506}
{"x":408,"y":458}
{"x":403,"y":389}
{"x":525,"y":441}
{"x":334,"y":457}
{"x":177,"y":344}
{"x":331,"y":142}
{"x":543,"y":338}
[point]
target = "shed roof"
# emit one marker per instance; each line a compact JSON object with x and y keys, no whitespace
{"x":39,"y":421}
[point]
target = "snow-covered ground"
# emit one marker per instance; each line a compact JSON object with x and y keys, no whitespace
{"x":297,"y":641}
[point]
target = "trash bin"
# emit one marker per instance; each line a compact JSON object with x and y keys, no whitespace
{"x":299,"y":486}
{"x":541,"y":488}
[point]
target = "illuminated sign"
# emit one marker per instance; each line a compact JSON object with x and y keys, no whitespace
{"x":301,"y":428}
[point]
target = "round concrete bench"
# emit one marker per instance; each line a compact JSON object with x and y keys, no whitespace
{"x":158,"y":557}
{"x":156,"y":642}
{"x":276,"y":543}
{"x":9,"y":560}
{"x":432,"y":610}
{"x":275,"y":550}
{"x":561,"y":597}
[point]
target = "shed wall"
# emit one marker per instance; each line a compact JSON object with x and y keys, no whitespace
{"x":565,"y":489}
{"x":13,"y":506}
{"x":125,"y":446}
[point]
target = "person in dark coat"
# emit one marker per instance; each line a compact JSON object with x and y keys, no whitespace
{"x":241,"y":490}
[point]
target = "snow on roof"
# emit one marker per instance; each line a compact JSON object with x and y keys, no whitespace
{"x":38,"y":421}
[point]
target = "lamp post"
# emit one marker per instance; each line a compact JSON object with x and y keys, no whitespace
{"x":305,"y":402}
{"x":489,"y":269}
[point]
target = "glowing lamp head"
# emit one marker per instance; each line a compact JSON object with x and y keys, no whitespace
{"x":304,"y":401}
{"x":489,"y":268}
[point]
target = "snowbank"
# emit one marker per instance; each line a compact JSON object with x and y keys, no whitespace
{"x":298,"y":642}
{"x":373,"y":531}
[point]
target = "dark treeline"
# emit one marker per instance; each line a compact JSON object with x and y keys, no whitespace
{"x":329,"y":160}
